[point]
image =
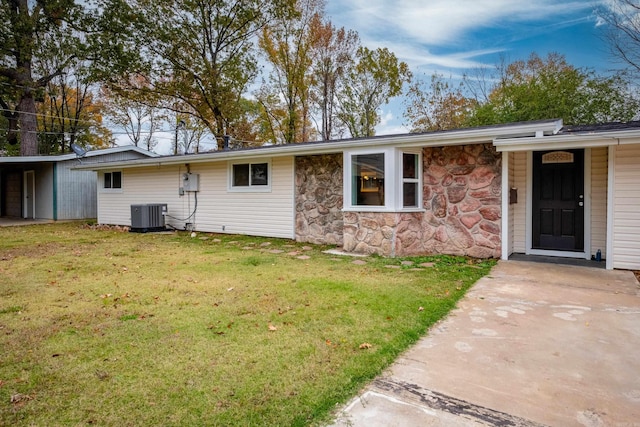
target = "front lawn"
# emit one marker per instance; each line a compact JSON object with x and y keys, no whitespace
{"x":104,"y":327}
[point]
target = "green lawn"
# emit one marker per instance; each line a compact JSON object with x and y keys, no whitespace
{"x":103,"y":327}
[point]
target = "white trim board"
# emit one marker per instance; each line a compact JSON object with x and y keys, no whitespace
{"x":505,"y":207}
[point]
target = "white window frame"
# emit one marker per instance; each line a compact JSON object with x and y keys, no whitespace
{"x":111,"y":189}
{"x":393,"y":178}
{"x":249,"y":188}
{"x":402,"y":180}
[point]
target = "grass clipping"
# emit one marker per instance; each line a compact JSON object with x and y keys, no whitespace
{"x":104,"y":327}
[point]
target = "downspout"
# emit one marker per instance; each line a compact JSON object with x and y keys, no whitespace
{"x":55,"y":191}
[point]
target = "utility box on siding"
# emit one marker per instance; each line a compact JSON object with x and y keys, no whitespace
{"x":145,"y":218}
{"x":191,"y":182}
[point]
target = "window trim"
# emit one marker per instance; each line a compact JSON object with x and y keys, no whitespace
{"x":402,"y":180}
{"x":347,"y":181}
{"x":111,"y":189}
{"x":249,"y":188}
{"x":393,"y":184}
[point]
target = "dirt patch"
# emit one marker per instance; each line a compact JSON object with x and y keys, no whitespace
{"x":637,"y":273}
{"x":40,"y":250}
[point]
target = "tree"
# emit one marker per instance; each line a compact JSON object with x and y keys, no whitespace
{"x":288,"y":43}
{"x":376,"y":77}
{"x":137,"y":118}
{"x":551,"y":88}
{"x":199,"y":54}
{"x":71,"y":111}
{"x":334,"y":50}
{"x":623,"y":29}
{"x":253,"y":128}
{"x":189,"y":134}
{"x":25,"y":27}
{"x":70,"y":114}
{"x":437,"y":107}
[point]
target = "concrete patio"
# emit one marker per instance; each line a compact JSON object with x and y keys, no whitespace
{"x":531,"y":344}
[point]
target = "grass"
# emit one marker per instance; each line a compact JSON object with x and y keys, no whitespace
{"x":106,"y":328}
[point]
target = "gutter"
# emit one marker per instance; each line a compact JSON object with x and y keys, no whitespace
{"x":601,"y":139}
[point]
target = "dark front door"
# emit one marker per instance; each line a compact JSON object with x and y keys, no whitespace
{"x":558,"y":200}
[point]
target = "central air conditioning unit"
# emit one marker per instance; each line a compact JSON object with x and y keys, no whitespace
{"x":145,"y":218}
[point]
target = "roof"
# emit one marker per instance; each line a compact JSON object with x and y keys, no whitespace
{"x":72,"y":156}
{"x":408,"y":140}
{"x":575,"y":136}
{"x":603,"y":127}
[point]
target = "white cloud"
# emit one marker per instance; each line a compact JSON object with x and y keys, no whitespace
{"x":445,"y":22}
{"x":451,"y":37}
{"x":421,"y":32}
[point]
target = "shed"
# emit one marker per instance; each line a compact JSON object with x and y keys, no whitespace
{"x":47,"y":187}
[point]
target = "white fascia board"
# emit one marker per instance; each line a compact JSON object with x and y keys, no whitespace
{"x":576,"y":140}
{"x":564,"y":142}
{"x":433,"y":139}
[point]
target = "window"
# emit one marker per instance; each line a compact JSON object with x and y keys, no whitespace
{"x":113,"y":180}
{"x":250,"y":175}
{"x":410,"y":180}
{"x":389,"y":180}
{"x":367,"y":174}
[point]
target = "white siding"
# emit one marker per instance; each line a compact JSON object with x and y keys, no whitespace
{"x":268,"y":214}
{"x":506,"y":192}
{"x":599,"y":200}
{"x":139,"y":186}
{"x":520,"y":208}
{"x":626,"y":207}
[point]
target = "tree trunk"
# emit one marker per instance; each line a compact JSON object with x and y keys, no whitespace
{"x":28,"y":125}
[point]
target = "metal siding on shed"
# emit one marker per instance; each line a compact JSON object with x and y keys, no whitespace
{"x":219,"y":210}
{"x":77,"y":190}
{"x":626,"y":207}
{"x":113,"y":157}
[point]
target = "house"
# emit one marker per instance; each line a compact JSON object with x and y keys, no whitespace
{"x":47,"y":187}
{"x":532,"y":188}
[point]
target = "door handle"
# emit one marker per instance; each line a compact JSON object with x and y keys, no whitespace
{"x":580,"y":203}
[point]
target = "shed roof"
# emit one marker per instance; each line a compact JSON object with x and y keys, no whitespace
{"x":72,"y":156}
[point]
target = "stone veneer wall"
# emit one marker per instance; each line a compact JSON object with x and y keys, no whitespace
{"x":462,"y":202}
{"x":319,"y":199}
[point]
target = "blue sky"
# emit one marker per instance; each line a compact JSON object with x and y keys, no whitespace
{"x":453,"y":36}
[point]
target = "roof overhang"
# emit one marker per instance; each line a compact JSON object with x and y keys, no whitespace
{"x":568,"y":141}
{"x":72,"y":156}
{"x":430,"y":139}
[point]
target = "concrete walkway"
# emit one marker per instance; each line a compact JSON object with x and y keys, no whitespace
{"x":16,"y":222}
{"x":531,"y":344}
